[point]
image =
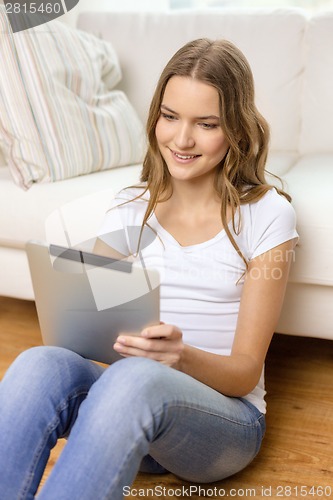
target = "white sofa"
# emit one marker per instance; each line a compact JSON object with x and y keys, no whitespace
{"x":292,"y":60}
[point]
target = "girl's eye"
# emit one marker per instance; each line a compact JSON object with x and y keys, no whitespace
{"x":168,"y":117}
{"x":208,"y":126}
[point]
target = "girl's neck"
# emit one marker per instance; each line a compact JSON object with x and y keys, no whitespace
{"x":194,"y":196}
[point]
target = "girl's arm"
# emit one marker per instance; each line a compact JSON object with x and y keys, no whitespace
{"x":260,"y":308}
{"x":235,"y":375}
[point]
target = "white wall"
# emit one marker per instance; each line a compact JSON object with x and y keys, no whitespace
{"x":116,"y":5}
{"x":133,"y":5}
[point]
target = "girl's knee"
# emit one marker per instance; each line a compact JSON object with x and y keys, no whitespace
{"x":47,"y":364}
{"x":40,"y":358}
{"x":130,"y":382}
{"x":127,"y":394}
{"x":49,"y":375}
{"x":138,"y":374}
{"x":30,"y":360}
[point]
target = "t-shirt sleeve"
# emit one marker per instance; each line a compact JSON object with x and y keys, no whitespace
{"x":274,"y":223}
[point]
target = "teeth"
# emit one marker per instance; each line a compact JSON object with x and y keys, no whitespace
{"x":183,"y":157}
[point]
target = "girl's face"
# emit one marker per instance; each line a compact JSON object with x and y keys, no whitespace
{"x":188,"y":130}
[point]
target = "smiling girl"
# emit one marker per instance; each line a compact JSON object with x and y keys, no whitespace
{"x":188,"y":395}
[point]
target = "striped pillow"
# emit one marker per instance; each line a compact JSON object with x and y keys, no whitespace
{"x":59,"y":117}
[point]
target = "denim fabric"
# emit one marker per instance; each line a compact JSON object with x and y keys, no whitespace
{"x":136,"y":413}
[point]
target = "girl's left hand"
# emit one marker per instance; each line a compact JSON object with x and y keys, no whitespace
{"x":163,"y":343}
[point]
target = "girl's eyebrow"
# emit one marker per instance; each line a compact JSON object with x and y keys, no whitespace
{"x":168,"y":109}
{"x":209,"y":117}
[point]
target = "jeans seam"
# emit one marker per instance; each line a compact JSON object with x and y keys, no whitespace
{"x":49,"y":429}
{"x":215,"y":414}
{"x":64,"y":405}
{"x":254,"y":426}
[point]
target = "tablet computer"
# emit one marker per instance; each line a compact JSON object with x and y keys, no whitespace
{"x":85,"y":300}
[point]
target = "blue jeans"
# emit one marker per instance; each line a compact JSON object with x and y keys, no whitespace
{"x":135,"y":415}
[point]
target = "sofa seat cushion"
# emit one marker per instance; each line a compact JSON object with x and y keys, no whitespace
{"x":310,"y":184}
{"x":24,"y":215}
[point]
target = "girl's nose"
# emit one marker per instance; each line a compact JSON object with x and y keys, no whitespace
{"x":184,"y":137}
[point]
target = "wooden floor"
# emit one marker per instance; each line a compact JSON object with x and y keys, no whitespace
{"x":296,"y":460}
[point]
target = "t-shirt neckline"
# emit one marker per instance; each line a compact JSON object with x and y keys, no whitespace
{"x":221,"y":234}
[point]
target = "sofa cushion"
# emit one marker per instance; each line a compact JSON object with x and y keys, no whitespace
{"x":278,"y":163}
{"x":59,"y":116}
{"x":34,"y":214}
{"x":310,"y":184}
{"x":271,"y":39}
{"x":317,"y":114}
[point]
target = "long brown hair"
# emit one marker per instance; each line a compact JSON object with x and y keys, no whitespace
{"x":240,"y":177}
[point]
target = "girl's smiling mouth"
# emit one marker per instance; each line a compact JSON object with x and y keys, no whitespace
{"x":183,"y":156}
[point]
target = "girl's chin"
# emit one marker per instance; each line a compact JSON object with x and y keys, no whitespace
{"x":182,"y":173}
{"x":179,"y":173}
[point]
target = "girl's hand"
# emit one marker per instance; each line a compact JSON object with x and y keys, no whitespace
{"x":163,"y":343}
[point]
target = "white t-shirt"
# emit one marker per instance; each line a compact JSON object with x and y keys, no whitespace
{"x":201,"y":284}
